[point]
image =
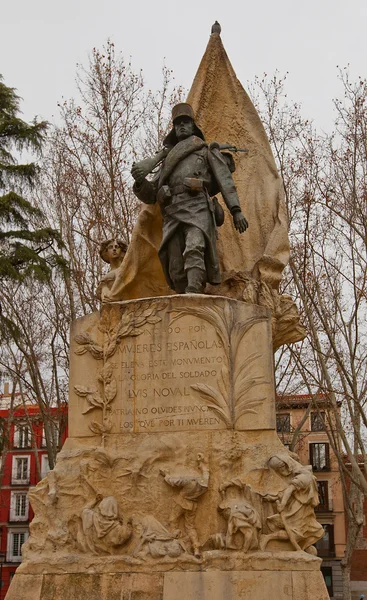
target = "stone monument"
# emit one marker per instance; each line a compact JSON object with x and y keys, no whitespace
{"x":173,"y":483}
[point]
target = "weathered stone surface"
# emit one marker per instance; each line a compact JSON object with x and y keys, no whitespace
{"x":186,"y":498}
{"x":180,"y":363}
{"x":310,"y":587}
{"x":25,"y":586}
{"x":275,"y":578}
{"x":244,"y":585}
{"x":71,"y":586}
{"x":213,"y":560}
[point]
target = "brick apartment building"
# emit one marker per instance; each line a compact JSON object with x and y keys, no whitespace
{"x":313,"y":448}
{"x":24,"y":462}
{"x":358,"y":577}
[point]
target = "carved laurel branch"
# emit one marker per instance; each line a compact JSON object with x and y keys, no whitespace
{"x":229,"y":401}
{"x":98,"y":401}
{"x":132,"y":323}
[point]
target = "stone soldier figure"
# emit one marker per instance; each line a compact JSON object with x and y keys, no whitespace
{"x":191,"y":173}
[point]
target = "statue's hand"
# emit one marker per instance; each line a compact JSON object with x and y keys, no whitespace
{"x":240,"y":222}
{"x":142,"y":168}
{"x":138,"y":172}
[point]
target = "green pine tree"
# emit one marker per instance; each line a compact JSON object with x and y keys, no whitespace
{"x":27,"y":248}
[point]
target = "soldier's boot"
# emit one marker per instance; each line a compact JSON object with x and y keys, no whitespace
{"x":195,"y":280}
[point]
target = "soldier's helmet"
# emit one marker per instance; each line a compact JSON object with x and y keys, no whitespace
{"x":183,"y":109}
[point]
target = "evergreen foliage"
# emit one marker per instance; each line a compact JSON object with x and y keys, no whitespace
{"x":26,"y":245}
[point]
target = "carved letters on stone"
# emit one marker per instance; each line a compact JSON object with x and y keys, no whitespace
{"x":196,"y":365}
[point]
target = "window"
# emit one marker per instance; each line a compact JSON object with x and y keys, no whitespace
{"x":325,"y":546}
{"x":283,"y":423}
{"x":18,"y":506}
{"x":16,"y":539}
{"x":21,"y":466}
{"x":323,"y":490}
{"x":320,"y":457}
{"x":317,"y":421}
{"x":43,"y":441}
{"x":22,"y":436}
{"x":327,"y":573}
{"x":45,"y":466}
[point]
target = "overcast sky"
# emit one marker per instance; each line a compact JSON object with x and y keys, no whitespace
{"x":42,"y":40}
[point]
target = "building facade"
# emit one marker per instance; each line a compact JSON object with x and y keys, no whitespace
{"x":24,"y":462}
{"x":295,"y":417}
{"x":358,"y":576}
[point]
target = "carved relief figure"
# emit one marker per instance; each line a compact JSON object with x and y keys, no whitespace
{"x":244,"y":518}
{"x":294,"y":519}
{"x":102,"y":530}
{"x":192,"y":487}
{"x":112,"y":251}
{"x":157,"y":541}
{"x":192,"y":173}
{"x":238,"y":509}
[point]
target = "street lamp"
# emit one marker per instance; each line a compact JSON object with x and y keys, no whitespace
{"x":2,"y":561}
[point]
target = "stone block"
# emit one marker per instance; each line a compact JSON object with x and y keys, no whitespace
{"x":178,"y":363}
{"x":245,"y":585}
{"x":25,"y":587}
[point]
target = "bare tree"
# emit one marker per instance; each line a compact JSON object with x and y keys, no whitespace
{"x":325,"y":186}
{"x":86,"y":194}
{"x":87,"y":190}
{"x":34,"y":354}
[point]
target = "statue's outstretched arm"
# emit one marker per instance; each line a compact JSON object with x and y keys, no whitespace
{"x":143,"y":189}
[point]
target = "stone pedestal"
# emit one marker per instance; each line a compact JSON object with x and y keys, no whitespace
{"x":167,"y":487}
{"x":275,"y":578}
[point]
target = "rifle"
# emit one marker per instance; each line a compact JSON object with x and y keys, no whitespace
{"x":229,"y":147}
{"x":149,"y":164}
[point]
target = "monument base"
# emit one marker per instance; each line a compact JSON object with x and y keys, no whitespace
{"x":173,"y":482}
{"x":283,"y":575}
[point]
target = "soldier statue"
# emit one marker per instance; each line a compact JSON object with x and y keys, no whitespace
{"x":191,"y":173}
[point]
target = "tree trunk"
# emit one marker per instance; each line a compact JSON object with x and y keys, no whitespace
{"x":346,"y":568}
